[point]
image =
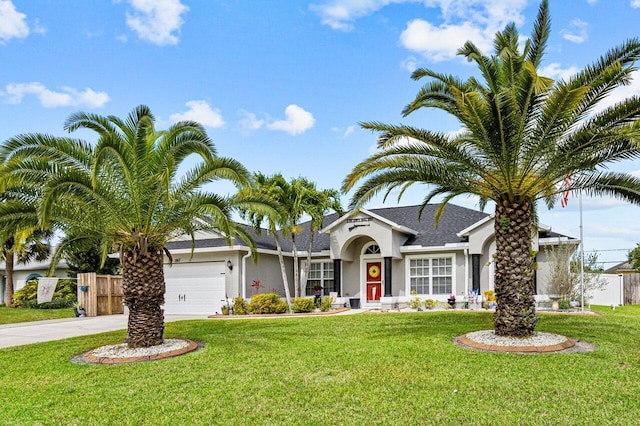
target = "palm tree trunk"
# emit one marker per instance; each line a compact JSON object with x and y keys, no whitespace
{"x":283,"y":270}
{"x":8,"y":266}
{"x":296,"y":267}
{"x":305,"y":271}
{"x":143,"y":287}
{"x":515,"y":314}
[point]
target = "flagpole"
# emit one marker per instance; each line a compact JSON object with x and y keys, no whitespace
{"x":581,"y":257}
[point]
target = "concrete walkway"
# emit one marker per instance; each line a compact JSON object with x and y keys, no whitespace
{"x":25,"y":333}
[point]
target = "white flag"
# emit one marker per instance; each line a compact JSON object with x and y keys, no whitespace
{"x":46,"y":288}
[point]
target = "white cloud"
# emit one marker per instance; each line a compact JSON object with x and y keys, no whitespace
{"x":592,"y":1}
{"x":67,"y":96}
{"x":156,"y":21}
{"x":12,"y":22}
{"x":410,"y":64}
{"x":441,"y":43}
{"x":250,"y":121}
{"x":298,"y":121}
{"x":553,"y":70}
{"x":349,"y":130}
{"x":339,"y":14}
{"x":201,"y":112}
{"x":577,"y":32}
{"x":635,"y":3}
{"x":462,"y":20}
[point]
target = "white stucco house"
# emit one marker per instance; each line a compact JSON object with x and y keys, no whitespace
{"x":376,"y":256}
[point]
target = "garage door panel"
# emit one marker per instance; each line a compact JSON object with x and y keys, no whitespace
{"x":194,"y":288}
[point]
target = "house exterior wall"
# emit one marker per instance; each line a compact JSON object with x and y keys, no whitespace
{"x":267,"y":270}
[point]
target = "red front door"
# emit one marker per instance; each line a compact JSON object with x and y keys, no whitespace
{"x":374,"y":281}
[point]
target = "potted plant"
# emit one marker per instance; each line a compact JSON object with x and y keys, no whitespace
{"x":79,"y":311}
{"x":452,"y":301}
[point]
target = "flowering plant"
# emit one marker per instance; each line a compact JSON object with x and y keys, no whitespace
{"x":256,"y":284}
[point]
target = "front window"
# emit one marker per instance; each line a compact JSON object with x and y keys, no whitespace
{"x":431,"y":275}
{"x":320,"y":274}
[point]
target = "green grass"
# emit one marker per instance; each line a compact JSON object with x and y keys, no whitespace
{"x":13,"y":315}
{"x":364,"y":369}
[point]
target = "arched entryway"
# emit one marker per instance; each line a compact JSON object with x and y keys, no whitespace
{"x":372,"y":274}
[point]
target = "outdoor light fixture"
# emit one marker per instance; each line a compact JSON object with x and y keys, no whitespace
{"x":230,"y":265}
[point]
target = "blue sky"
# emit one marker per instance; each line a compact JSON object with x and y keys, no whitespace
{"x":282,"y":85}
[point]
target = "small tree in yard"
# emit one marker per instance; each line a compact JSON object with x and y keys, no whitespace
{"x":564,"y":277}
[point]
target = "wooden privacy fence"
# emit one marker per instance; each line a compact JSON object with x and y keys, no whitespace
{"x":631,"y":285}
{"x":100,"y":294}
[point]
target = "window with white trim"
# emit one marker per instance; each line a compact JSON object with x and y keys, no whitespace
{"x":320,"y":274}
{"x":431,"y":275}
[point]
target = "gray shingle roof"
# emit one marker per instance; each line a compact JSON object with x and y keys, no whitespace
{"x":453,"y":220}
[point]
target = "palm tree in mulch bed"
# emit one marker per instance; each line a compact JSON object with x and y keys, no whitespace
{"x":523,"y":136}
{"x":126,"y":191}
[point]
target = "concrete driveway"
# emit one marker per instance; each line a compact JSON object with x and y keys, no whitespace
{"x":25,"y":333}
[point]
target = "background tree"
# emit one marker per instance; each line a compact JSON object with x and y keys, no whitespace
{"x":565,"y":280}
{"x":126,"y":192}
{"x":634,"y":257}
{"x":522,"y":135}
{"x":86,"y":256}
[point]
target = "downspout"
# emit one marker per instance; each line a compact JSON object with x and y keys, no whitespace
{"x":243,"y":282}
{"x":466,"y":272}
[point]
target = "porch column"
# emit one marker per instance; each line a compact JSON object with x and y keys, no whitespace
{"x":337,"y":276}
{"x":475,"y":272}
{"x":387,"y":277}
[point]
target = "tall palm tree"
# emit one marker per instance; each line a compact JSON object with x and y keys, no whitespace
{"x":295,"y":199}
{"x":126,"y":191}
{"x":22,"y":247}
{"x":320,"y":202}
{"x":523,"y":134}
{"x":21,"y":239}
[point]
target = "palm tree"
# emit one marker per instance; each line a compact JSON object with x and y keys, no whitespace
{"x":23,"y":246}
{"x":295,"y":198}
{"x":127,"y":193}
{"x":320,"y":202}
{"x":523,"y":135}
{"x":21,"y":239}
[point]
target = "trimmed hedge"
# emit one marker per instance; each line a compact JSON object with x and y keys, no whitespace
{"x":303,"y":304}
{"x":268,"y":303}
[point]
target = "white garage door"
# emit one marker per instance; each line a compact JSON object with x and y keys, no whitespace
{"x":194,"y":288}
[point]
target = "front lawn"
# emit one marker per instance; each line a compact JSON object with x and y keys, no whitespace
{"x":361,"y":369}
{"x":13,"y":315}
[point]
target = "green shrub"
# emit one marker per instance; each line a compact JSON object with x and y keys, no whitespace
{"x":325,"y":305}
{"x":430,"y":303}
{"x":414,"y":302}
{"x":64,"y":296}
{"x":239,"y":306}
{"x":267,"y":303}
{"x":303,"y":304}
{"x":282,"y":307}
{"x":565,"y":304}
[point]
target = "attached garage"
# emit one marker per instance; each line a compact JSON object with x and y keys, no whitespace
{"x":194,"y":288}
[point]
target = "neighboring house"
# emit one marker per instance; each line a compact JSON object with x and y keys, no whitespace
{"x":379,"y":256}
{"x":23,"y":273}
